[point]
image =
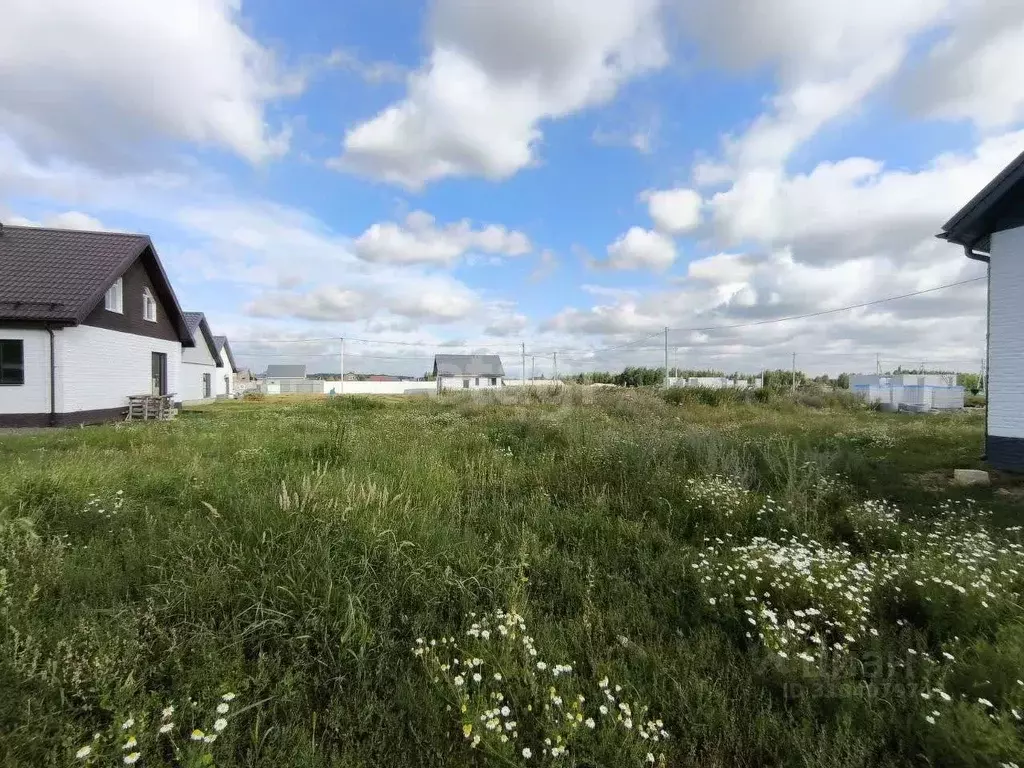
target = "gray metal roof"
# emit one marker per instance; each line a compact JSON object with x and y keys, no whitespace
{"x":1000,"y":205}
{"x":286,"y":371}
{"x":60,"y":275}
{"x":468,"y":365}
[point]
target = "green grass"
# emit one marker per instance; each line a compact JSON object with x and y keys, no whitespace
{"x":294,"y":552}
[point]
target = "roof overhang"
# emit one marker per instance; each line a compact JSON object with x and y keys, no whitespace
{"x":999,"y":206}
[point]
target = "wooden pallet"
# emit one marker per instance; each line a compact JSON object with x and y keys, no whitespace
{"x":150,"y":407}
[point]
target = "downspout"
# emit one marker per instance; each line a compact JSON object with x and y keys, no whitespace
{"x":986,"y":259}
{"x":53,"y":386}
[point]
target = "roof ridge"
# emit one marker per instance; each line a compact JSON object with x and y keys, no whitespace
{"x":74,"y":231}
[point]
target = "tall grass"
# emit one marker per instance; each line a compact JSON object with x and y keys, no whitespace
{"x":293,"y":552}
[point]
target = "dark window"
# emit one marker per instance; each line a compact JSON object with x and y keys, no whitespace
{"x":207,"y":385}
{"x":159,"y":386}
{"x":477,"y":382}
{"x":465,"y":383}
{"x":494,"y":381}
{"x":12,"y":362}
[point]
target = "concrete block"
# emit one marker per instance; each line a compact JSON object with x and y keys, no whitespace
{"x":971,"y":477}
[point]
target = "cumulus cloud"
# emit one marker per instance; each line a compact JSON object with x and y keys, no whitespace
{"x":641,"y":248}
{"x":828,"y":58}
{"x":674,"y":211}
{"x":856,"y":207}
{"x":418,"y":240}
{"x":495,"y":71}
{"x":967,"y":73}
{"x":100,"y":82}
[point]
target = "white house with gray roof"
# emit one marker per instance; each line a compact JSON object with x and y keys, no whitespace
{"x":990,"y":229}
{"x":201,"y":365}
{"x":468,"y":372}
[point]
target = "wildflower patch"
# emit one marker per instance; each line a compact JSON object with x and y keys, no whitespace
{"x":513,"y":704}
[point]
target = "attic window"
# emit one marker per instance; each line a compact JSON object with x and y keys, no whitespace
{"x":148,"y":305}
{"x":114,"y":299}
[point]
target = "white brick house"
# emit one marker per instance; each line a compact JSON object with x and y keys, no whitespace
{"x":468,"y":372}
{"x":990,"y":228}
{"x":86,"y":319}
{"x":201,"y":366}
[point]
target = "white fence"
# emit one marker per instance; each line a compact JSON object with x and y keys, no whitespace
{"x":378,"y":387}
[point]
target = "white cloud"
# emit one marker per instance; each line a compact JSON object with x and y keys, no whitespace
{"x":641,"y":249}
{"x":828,"y":56}
{"x":674,"y":211}
{"x":100,"y":82}
{"x":418,"y":240}
{"x":855,"y":207}
{"x":373,"y":72}
{"x":546,"y":265}
{"x":970,"y":73}
{"x":495,"y":71}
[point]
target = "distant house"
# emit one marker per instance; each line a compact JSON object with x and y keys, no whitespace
{"x":226,"y":376}
{"x":86,"y":319}
{"x":990,"y":228}
{"x":200,"y":363}
{"x":289,"y":379}
{"x":468,"y":372}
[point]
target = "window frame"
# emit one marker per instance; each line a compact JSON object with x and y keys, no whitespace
{"x":494,"y":381}
{"x":148,"y":300}
{"x":21,"y":346}
{"x":465,"y":383}
{"x":113,"y":299}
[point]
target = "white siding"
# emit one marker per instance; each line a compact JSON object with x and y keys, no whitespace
{"x":225,"y":377}
{"x":1006,"y":335}
{"x":195,"y":362}
{"x":455,"y":382}
{"x":34,"y":395}
{"x":98,"y":368}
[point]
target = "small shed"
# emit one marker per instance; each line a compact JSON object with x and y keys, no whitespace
{"x":468,"y":372}
{"x":990,"y":229}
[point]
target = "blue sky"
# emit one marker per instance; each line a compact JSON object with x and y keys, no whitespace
{"x":572,"y":176}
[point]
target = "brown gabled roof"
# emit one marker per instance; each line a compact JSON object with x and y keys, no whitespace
{"x":60,"y":275}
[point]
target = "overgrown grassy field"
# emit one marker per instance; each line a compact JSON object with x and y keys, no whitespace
{"x":601,"y":579}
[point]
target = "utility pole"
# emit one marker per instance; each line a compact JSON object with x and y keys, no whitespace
{"x":523,"y":348}
{"x":533,"y":367}
{"x":555,"y":356}
{"x":341,"y":388}
{"x":666,"y":357}
{"x":878,"y":364}
{"x":794,"y":371}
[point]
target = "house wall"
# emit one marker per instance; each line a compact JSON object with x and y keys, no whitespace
{"x":1006,"y":350}
{"x":196,"y":361}
{"x":225,"y":377}
{"x":34,"y":395}
{"x":455,"y":382}
{"x":97,"y":369}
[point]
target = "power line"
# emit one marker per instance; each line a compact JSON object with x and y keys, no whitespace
{"x":833,"y":311}
{"x":626,"y":345}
